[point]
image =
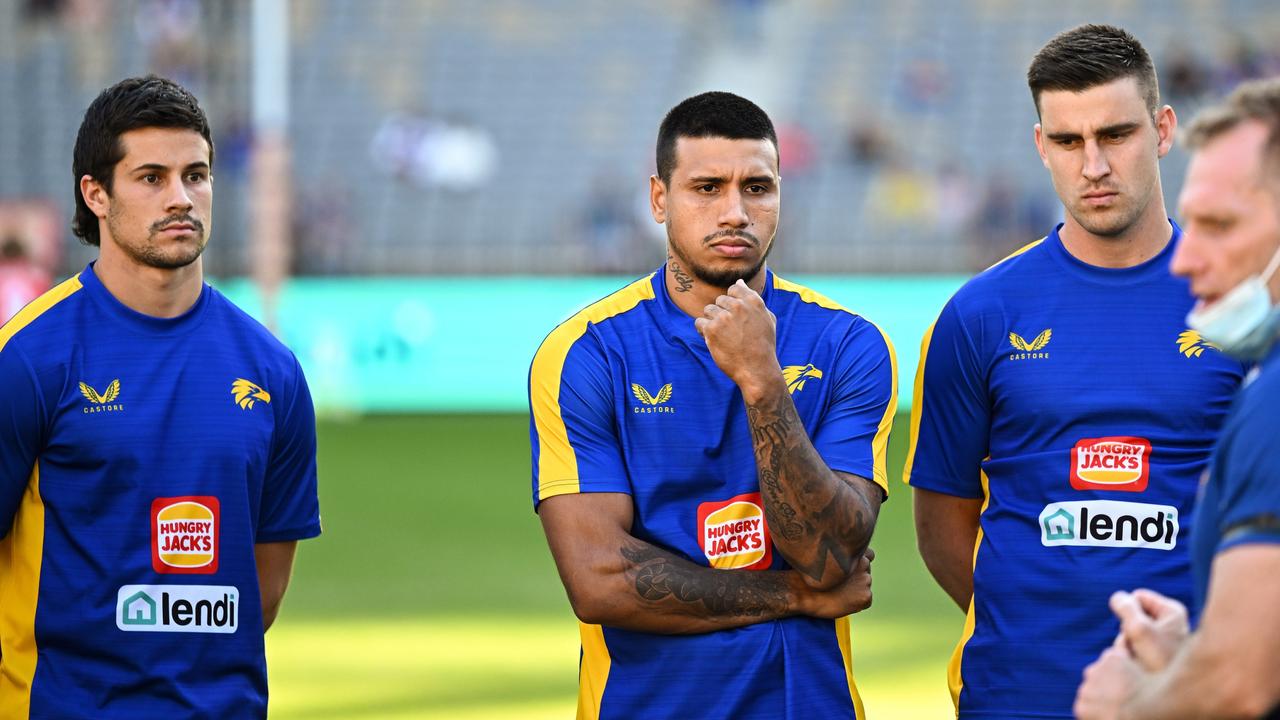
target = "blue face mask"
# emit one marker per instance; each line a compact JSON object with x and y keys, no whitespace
{"x":1244,"y":322}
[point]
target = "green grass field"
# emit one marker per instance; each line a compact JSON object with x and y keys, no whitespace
{"x":432,"y":593}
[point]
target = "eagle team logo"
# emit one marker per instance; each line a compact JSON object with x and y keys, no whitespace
{"x":1111,"y":463}
{"x":797,"y":375}
{"x":246,"y":394}
{"x":104,"y":401}
{"x":1033,"y":350}
{"x":652,"y":403}
{"x":184,"y":535}
{"x":734,"y":534}
{"x":1191,"y":344}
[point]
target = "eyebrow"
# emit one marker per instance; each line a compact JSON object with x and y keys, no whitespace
{"x":201,"y":165}
{"x":1116,"y":129}
{"x":715,"y":179}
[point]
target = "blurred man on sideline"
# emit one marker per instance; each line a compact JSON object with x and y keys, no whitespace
{"x":707,"y":421}
{"x":1227,"y":668}
{"x":157,"y":448}
{"x":1063,"y":411}
{"x":21,"y":280}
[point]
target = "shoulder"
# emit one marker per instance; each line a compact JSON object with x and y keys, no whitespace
{"x":44,"y":321}
{"x":808,"y":301}
{"x":555,"y":348}
{"x":232,"y":321}
{"x":988,"y":286}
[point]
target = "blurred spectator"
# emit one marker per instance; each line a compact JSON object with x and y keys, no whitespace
{"x":431,"y":153}
{"x":1184,"y":77}
{"x":611,"y":228}
{"x":172,"y":34}
{"x":956,"y":196}
{"x":21,"y":279}
{"x":926,"y":85}
{"x":870,"y":145}
{"x":795,"y":150}
{"x":1007,"y":220}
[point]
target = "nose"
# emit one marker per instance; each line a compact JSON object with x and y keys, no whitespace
{"x":1096,"y":166}
{"x":733,"y":209}
{"x":1186,"y":260}
{"x":178,"y":198}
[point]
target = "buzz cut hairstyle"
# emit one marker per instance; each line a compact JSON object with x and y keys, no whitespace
{"x":1253,"y":101}
{"x":711,"y":114}
{"x":1091,"y":55}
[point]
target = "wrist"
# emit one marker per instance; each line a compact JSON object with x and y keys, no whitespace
{"x":798,"y":595}
{"x":762,"y":386}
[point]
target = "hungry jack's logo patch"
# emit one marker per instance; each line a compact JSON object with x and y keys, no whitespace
{"x":1111,"y":463}
{"x":734,"y":533}
{"x":184,"y":535}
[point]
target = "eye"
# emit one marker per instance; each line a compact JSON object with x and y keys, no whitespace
{"x":1068,"y":143}
{"x":196,"y":177}
{"x":151,"y":178}
{"x":757,"y":189}
{"x":706,"y":188}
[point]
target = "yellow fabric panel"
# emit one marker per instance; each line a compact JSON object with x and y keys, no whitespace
{"x":21,"y":553}
{"x":846,"y":651}
{"x":557,"y":463}
{"x":917,"y":407}
{"x":593,"y":673}
{"x":37,"y":307}
{"x":954,"y":681}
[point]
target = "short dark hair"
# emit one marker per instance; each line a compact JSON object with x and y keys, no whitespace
{"x":1092,"y":55}
{"x":1256,"y":100}
{"x":711,"y":114}
{"x":138,"y":102}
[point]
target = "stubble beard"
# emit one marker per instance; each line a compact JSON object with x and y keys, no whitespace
{"x":151,"y":254}
{"x":716,"y":278}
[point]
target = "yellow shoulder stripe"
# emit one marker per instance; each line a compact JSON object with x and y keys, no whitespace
{"x":1017,"y":252}
{"x":557,"y":461}
{"x":38,"y":307}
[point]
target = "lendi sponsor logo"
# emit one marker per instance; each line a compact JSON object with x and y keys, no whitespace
{"x":1109,"y":523}
{"x":184,"y":534}
{"x":734,"y":533}
{"x":1111,"y":463}
{"x":178,"y":608}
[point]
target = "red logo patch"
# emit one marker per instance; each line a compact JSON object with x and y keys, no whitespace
{"x":1122,"y":464}
{"x":184,"y":535}
{"x":734,"y":533}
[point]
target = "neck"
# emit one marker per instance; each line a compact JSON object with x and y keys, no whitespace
{"x":1141,"y":242}
{"x":158,"y":292}
{"x":691,"y":294}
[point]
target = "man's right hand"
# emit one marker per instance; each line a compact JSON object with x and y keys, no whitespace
{"x":851,"y":596}
{"x":1152,"y":626}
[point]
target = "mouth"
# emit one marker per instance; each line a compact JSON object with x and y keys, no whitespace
{"x":732,"y":247}
{"x":1099,"y":197}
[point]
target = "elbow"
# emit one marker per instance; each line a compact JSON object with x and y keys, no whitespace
{"x":589,"y":604}
{"x":1246,"y":698}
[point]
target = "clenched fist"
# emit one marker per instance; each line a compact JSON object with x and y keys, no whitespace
{"x":741,"y":333}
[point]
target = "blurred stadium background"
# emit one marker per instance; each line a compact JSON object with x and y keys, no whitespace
{"x":456,"y":176}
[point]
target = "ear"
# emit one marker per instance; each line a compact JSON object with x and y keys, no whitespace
{"x":1166,"y":129}
{"x":95,"y":196}
{"x":1039,"y":135}
{"x":658,"y":199}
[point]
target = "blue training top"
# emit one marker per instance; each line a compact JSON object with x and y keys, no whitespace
{"x":141,"y":459}
{"x":1075,"y":403}
{"x":626,"y":398}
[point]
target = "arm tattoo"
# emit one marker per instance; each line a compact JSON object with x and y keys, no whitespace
{"x":683,"y":281}
{"x":815,"y":512}
{"x":661,"y":578}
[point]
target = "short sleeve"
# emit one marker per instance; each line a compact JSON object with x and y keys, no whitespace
{"x":573,"y":433}
{"x":1249,"y":470}
{"x":951,"y":413}
{"x":290,"y":504}
{"x":21,"y":431}
{"x":853,"y":436}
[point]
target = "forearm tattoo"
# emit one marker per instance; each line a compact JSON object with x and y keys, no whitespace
{"x":812,"y":511}
{"x":661,"y":578}
{"x":683,"y":281}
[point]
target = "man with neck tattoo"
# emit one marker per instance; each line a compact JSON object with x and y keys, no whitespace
{"x":709,"y":454}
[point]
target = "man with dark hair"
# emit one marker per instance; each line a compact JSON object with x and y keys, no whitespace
{"x":706,"y":421}
{"x":157,"y":448}
{"x":1227,"y":667}
{"x":1064,"y":411}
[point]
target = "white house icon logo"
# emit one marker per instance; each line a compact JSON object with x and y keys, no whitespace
{"x":138,"y":609}
{"x":1061,"y":525}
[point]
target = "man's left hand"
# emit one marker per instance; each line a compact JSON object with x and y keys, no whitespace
{"x":740,"y":333}
{"x":1108,"y":684}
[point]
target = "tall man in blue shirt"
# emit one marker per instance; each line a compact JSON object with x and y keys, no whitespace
{"x":1227,"y":667}
{"x":157,"y":448}
{"x":1063,"y":410}
{"x":708,"y":454}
